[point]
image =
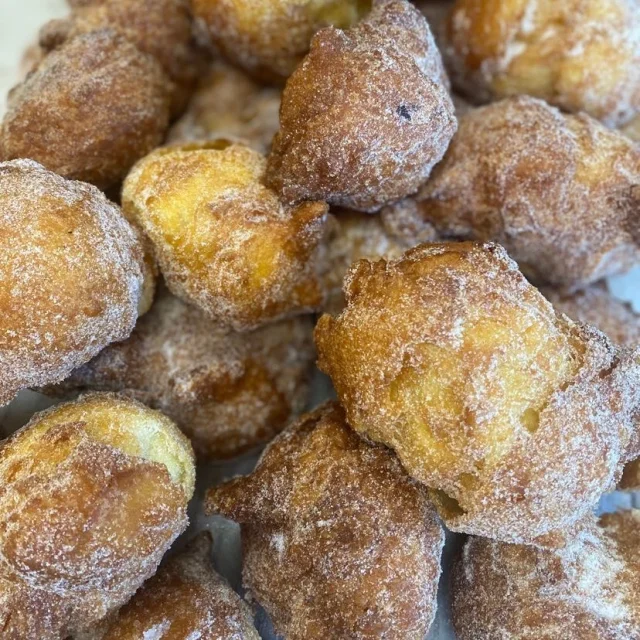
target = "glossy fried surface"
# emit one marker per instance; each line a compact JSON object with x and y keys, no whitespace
{"x":229,"y":392}
{"x":160,"y":28}
{"x":90,"y":109}
{"x":556,"y":51}
{"x":561,"y":193}
{"x":338,"y":541}
{"x":224,"y":241}
{"x":516,"y":418}
{"x":366,"y":115}
{"x":94,"y":492}
{"x":72,"y":276}
{"x":185,"y":599}
{"x":587,"y":591}
{"x":228,"y":103}
{"x":268,"y":38}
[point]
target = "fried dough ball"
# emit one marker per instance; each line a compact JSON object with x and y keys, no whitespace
{"x":160,"y":28}
{"x":185,"y":599}
{"x":224,"y":241}
{"x":229,"y":392}
{"x":366,"y":115}
{"x":94,"y":492}
{"x":228,"y":103}
{"x":72,"y":276}
{"x":596,"y":306}
{"x":90,"y":109}
{"x":561,"y":193}
{"x":338,"y":541}
{"x":515,"y":417}
{"x":579,"y":55}
{"x":587,"y":591}
{"x":352,"y":237}
{"x":268,"y":38}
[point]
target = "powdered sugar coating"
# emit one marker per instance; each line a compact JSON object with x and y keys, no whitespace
{"x":561,"y":193}
{"x":588,"y":590}
{"x":268,"y":38}
{"x":366,"y":115}
{"x":90,"y":109}
{"x":338,"y":541}
{"x":229,"y":392}
{"x":228,"y":103}
{"x":185,"y":600}
{"x":224,"y":241}
{"x":516,"y":418}
{"x":617,"y":320}
{"x":71,"y":275}
{"x":160,"y":28}
{"x":580,"y":55}
{"x":93,"y":494}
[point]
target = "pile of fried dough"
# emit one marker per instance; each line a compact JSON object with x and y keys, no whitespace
{"x":202,"y":200}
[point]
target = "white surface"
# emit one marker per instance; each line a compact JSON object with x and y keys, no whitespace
{"x":19,"y":24}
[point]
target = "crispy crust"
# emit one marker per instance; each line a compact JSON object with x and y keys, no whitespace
{"x":555,"y":51}
{"x":228,"y":392}
{"x":223,"y":240}
{"x":587,"y":591}
{"x":366,"y":115}
{"x":94,"y":493}
{"x":268,"y":38}
{"x":228,"y":103}
{"x":516,"y":418}
{"x":561,"y":193}
{"x":338,"y":541}
{"x":160,"y":28}
{"x":50,"y":118}
{"x":186,"y":599}
{"x":72,"y":276}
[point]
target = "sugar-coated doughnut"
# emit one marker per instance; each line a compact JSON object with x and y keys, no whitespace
{"x":338,"y":541}
{"x":73,"y":276}
{"x":515,"y":417}
{"x":93,"y":493}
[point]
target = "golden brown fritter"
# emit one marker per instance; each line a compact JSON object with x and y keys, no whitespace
{"x":185,"y":600}
{"x":229,"y":392}
{"x":224,"y":241}
{"x":352,"y":237}
{"x":515,"y":417}
{"x":561,"y":193}
{"x":596,"y":306}
{"x":90,"y":109}
{"x":72,"y":276}
{"x":366,"y":115}
{"x":160,"y":28}
{"x":268,"y":38}
{"x":93,"y":493}
{"x":338,"y":541}
{"x":586,"y":591}
{"x":228,"y":103}
{"x":580,"y":55}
